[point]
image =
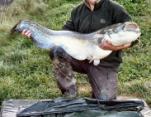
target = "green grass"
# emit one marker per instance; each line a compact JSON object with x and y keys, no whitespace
{"x":26,"y":71}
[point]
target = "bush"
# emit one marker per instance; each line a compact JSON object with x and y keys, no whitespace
{"x":135,"y":7}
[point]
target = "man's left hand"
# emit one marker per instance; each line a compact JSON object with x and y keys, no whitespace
{"x":108,"y":46}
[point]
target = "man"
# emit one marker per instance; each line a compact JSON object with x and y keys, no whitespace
{"x":90,"y":16}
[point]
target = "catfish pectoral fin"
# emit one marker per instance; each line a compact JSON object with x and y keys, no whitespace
{"x":96,"y":62}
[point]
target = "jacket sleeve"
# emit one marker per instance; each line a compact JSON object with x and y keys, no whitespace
{"x":119,"y":14}
{"x":69,"y":25}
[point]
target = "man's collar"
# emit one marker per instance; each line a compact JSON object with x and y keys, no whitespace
{"x":97,"y":5}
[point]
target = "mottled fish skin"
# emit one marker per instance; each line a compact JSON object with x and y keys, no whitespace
{"x":81,"y":46}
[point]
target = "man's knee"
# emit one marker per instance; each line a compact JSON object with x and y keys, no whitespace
{"x":105,"y":95}
{"x":104,"y":83}
{"x":108,"y":95}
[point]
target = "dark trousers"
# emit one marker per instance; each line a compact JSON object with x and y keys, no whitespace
{"x":103,"y":80}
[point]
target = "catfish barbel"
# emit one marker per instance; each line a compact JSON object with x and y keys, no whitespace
{"x":81,"y":46}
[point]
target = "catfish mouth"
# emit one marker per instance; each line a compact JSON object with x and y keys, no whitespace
{"x":131,"y":26}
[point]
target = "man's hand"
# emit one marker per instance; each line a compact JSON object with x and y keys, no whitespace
{"x":26,"y":33}
{"x":108,"y":46}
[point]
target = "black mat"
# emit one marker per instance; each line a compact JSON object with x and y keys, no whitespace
{"x":83,"y":107}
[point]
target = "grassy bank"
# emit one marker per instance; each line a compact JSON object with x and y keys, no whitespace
{"x":25,"y":70}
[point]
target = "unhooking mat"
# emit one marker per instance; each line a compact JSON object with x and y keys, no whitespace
{"x":83,"y":107}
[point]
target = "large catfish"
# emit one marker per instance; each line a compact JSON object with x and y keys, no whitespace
{"x":81,"y":46}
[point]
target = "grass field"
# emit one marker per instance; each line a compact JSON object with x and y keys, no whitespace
{"x":25,"y":70}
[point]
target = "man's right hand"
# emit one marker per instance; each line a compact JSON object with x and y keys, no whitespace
{"x":108,"y":46}
{"x":26,"y":33}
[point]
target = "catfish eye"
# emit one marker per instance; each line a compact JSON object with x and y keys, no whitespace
{"x":118,"y":28}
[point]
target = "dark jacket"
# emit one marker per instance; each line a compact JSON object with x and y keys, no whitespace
{"x":105,"y":13}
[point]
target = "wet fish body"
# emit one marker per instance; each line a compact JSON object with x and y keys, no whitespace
{"x":81,"y":46}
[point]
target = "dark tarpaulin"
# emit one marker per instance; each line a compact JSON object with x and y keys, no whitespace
{"x":83,"y":107}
